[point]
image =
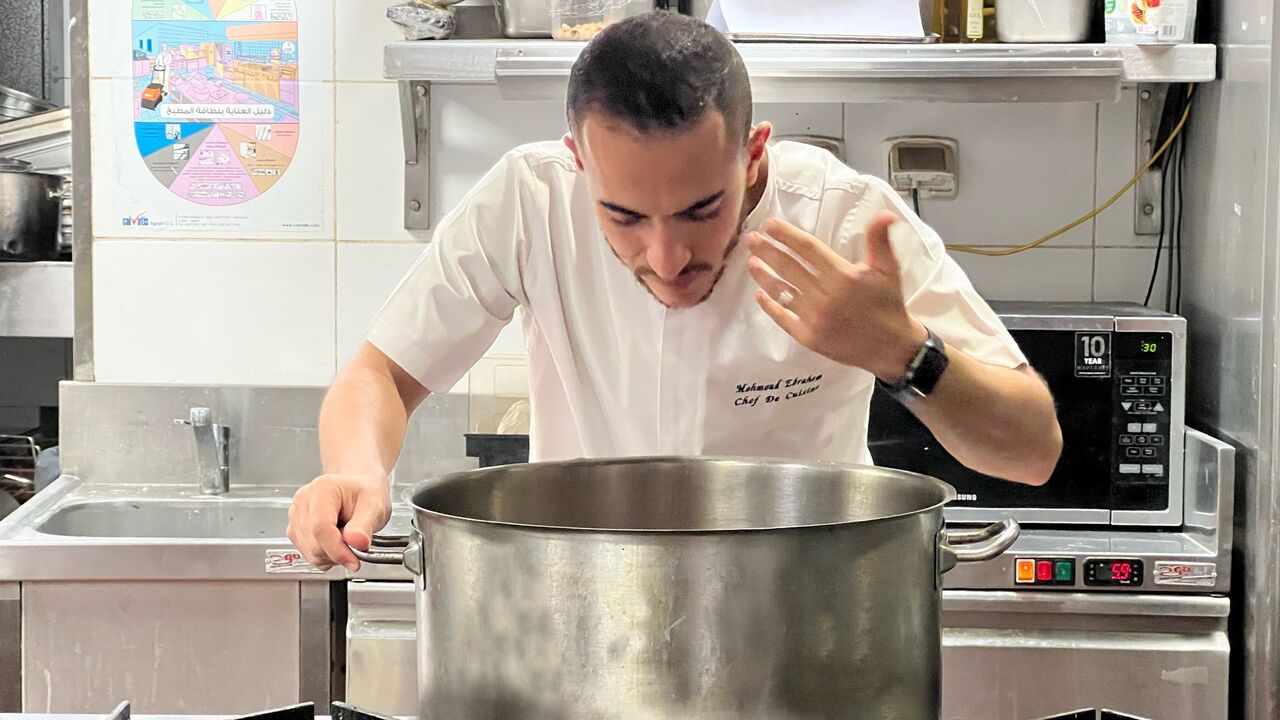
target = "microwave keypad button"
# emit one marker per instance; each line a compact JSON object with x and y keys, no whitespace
{"x":1153,"y":469}
{"x":1157,"y":439}
{"x":1128,"y":380}
{"x":1126,"y":439}
{"x":1147,"y":452}
{"x":1157,"y":381}
{"x":1135,"y":427}
{"x":1144,"y":381}
{"x":1133,"y":452}
{"x":1155,"y":391}
{"x":1150,"y":428}
{"x":1142,"y":439}
{"x":1130,"y":469}
{"x":1130,"y":390}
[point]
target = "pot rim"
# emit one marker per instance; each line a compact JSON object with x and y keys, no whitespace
{"x":948,"y":494}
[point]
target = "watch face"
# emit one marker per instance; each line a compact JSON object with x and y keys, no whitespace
{"x":925,"y":376}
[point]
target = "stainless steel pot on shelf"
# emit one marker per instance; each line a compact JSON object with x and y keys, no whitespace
{"x":682,"y":588}
{"x":30,"y":212}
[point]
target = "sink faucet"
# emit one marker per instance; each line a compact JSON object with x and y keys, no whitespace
{"x":213,"y":452}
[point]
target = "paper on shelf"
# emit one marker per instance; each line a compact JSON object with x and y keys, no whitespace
{"x":886,"y":18}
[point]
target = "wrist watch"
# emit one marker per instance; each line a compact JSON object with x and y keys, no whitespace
{"x":923,"y":372}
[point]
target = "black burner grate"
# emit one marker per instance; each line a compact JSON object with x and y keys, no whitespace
{"x":343,"y":711}
{"x":1094,"y":715}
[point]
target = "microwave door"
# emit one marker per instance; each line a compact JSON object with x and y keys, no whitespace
{"x":1079,"y":490}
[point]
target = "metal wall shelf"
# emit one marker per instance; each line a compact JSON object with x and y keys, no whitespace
{"x":795,"y":73}
{"x":36,"y":300}
{"x":840,"y":73}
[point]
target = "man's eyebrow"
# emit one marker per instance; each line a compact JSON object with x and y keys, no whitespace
{"x":614,"y":207}
{"x":701,"y":204}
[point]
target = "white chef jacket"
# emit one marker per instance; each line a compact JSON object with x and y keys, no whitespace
{"x":614,"y":373}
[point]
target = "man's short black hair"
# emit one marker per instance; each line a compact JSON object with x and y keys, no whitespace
{"x":661,"y":71}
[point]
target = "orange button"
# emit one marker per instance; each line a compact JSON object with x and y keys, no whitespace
{"x":1026,"y":571}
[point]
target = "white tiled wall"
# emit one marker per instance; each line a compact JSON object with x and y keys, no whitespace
{"x":262,"y":307}
{"x":214,"y":312}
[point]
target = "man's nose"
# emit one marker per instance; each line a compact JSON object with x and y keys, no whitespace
{"x":667,"y":255}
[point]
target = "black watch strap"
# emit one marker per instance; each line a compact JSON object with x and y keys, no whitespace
{"x":923,"y":372}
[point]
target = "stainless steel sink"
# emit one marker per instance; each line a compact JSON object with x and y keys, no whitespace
{"x":195,"y":519}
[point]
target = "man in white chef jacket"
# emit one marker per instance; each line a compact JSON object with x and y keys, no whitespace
{"x":686,"y":289}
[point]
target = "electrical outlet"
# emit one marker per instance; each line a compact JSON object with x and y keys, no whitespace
{"x":924,"y":163}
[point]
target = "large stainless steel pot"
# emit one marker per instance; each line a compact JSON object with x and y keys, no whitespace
{"x":30,"y":212}
{"x":682,"y":588}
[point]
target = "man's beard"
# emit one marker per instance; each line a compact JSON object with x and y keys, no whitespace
{"x":644,"y":272}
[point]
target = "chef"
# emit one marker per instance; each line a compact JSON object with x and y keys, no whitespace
{"x":686,"y":289}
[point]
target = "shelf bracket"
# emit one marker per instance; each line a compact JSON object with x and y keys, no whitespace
{"x":1148,"y":194}
{"x":415,"y":122}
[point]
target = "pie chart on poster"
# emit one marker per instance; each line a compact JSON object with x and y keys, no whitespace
{"x":215,"y":95}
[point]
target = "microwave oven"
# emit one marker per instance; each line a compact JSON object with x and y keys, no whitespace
{"x":1117,"y":373}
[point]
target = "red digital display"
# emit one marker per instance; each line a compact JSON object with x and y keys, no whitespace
{"x":1113,"y":572}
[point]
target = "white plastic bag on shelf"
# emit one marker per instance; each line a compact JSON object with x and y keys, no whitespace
{"x":423,"y":20}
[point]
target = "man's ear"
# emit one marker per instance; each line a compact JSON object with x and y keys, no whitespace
{"x":757,"y":141}
{"x":572,"y":144}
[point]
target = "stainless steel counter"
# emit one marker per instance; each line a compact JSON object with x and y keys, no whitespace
{"x":27,"y":553}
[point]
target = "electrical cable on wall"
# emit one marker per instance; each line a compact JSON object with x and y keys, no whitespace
{"x":1155,"y":268}
{"x":1155,"y":157}
{"x":1177,"y":232}
{"x":1171,"y":214}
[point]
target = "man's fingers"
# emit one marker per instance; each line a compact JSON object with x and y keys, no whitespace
{"x":879,"y":249}
{"x":329,"y":539}
{"x":785,"y":319}
{"x":368,"y":515}
{"x":324,"y":514}
{"x":809,"y":248}
{"x":781,"y":264}
{"x":780,"y":290}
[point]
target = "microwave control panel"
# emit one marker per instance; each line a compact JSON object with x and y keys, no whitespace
{"x":1141,"y":432}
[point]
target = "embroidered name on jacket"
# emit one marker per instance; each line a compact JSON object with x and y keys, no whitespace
{"x":751,"y":394}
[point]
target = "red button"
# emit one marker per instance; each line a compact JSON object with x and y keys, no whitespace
{"x":1044,"y":571}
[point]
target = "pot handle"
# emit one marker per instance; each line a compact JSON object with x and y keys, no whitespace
{"x":394,"y":550}
{"x":959,"y":546}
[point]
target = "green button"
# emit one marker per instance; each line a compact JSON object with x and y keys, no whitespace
{"x":1064,"y":571}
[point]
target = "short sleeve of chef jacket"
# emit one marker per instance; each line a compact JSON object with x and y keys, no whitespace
{"x":466,"y":285}
{"x":937,"y":291}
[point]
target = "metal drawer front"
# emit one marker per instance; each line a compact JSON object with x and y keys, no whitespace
{"x":382,"y":668}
